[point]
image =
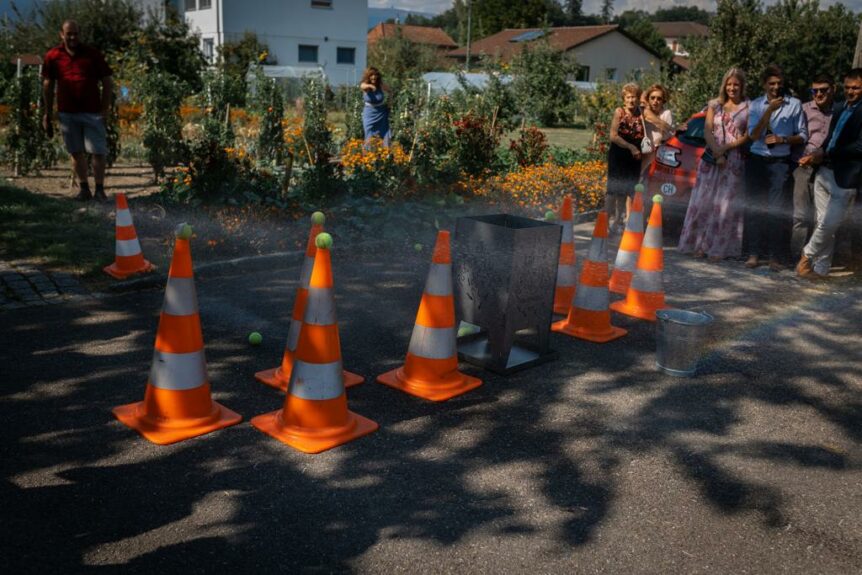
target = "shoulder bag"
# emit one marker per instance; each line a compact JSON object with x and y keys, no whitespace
{"x":646,"y":144}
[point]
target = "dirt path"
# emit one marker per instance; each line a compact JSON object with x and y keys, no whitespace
{"x":132,"y":179}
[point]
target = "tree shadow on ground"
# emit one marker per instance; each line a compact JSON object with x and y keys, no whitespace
{"x":538,"y":454}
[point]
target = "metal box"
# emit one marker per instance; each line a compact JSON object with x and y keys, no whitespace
{"x":505,"y":270}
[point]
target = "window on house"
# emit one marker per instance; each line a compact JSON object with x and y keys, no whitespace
{"x":205,"y":4}
{"x":610,"y":73}
{"x":191,"y":5}
{"x":321,"y":3}
{"x":583,"y":74}
{"x":345,"y":56}
{"x":307,"y":53}
{"x":209,"y":49}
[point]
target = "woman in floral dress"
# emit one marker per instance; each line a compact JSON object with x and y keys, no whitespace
{"x":713,"y":222}
{"x":624,"y":155}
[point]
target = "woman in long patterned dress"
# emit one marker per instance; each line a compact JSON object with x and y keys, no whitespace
{"x":713,"y":222}
{"x":375,"y":114}
{"x":624,"y":155}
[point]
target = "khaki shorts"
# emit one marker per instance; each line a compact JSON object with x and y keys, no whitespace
{"x":82,"y":131}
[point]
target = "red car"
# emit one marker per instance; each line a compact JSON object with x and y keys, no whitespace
{"x":673,"y":171}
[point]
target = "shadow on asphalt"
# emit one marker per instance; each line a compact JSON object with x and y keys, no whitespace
{"x":80,"y":490}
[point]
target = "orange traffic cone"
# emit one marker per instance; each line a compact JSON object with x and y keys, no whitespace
{"x":589,"y":317}
{"x":645,"y":295}
{"x":315,"y":417}
{"x":431,"y":368}
{"x":630,"y":247}
{"x":278,"y":377}
{"x":564,"y":292}
{"x":129,"y":259}
{"x":177,"y":403}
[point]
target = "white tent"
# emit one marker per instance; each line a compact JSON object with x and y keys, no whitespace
{"x":448,"y":82}
{"x":298,"y":72}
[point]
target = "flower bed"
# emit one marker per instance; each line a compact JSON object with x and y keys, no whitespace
{"x":541,"y":187}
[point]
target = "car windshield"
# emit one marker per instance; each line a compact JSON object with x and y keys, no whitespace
{"x":693,"y":134}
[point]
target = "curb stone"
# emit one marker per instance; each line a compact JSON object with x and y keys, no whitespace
{"x":27,"y":286}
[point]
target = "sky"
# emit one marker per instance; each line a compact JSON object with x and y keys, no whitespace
{"x":590,"y":6}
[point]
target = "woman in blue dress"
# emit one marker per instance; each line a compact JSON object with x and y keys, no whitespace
{"x":375,"y":114}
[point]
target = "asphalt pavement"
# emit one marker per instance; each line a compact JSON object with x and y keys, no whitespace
{"x":594,"y":463}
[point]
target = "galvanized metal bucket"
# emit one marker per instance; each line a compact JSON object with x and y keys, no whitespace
{"x":681,"y":338}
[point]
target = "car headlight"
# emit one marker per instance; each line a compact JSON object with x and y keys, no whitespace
{"x":667,"y":155}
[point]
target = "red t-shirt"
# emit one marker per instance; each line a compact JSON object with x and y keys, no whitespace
{"x":77,"y":78}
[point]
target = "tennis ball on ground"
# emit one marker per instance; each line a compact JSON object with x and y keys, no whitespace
{"x":657,"y":199}
{"x":323,"y":241}
{"x":254,"y":338}
{"x":639,"y":188}
{"x":184,"y":231}
{"x":417,"y":247}
{"x":550,"y":216}
{"x":318,"y":218}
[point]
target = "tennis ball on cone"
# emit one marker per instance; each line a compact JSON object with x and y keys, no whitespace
{"x":639,"y":188}
{"x":657,"y":199}
{"x":323,"y":241}
{"x":318,"y":218}
{"x":184,"y":231}
{"x":254,"y":338}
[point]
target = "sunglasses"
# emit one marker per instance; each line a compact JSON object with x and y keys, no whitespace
{"x":819,"y":91}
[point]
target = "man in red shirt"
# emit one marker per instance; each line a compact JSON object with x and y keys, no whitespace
{"x":76,"y":71}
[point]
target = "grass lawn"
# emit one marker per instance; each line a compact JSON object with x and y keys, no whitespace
{"x":575,"y":138}
{"x":58,"y":234}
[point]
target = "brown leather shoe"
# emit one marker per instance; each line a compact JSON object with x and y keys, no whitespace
{"x":752,"y":262}
{"x":805,"y":269}
{"x":775,"y":266}
{"x":84,"y":196}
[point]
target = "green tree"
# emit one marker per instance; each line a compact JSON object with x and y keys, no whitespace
{"x":106,"y":24}
{"x":269,"y":105}
{"x":736,"y":39}
{"x":682,"y":14}
{"x":607,"y":12}
{"x":539,"y":83}
{"x":399,"y":59}
{"x":574,"y":11}
{"x":235,"y":59}
{"x":637,"y":24}
{"x":165,"y":45}
{"x":161,"y":95}
{"x":794,"y":34}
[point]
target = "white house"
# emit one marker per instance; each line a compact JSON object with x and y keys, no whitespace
{"x":326,"y":34}
{"x":602,"y":52}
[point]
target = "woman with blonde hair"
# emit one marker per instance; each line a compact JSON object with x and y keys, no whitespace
{"x":624,"y":155}
{"x":714,"y":220}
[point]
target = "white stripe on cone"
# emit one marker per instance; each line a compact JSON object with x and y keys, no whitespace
{"x":128,"y":247}
{"x":432,"y":342}
{"x":320,"y":307}
{"x":316,"y":381}
{"x":180,"y":297}
{"x":439,"y":280}
{"x":124,"y":218}
{"x":592,"y":298}
{"x":178,"y":371}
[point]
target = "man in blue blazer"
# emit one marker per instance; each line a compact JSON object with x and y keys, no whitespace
{"x":838,"y":179}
